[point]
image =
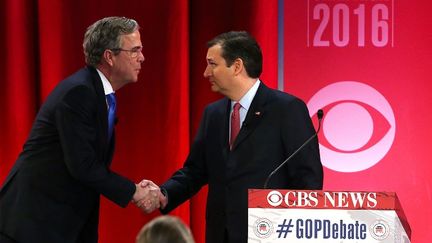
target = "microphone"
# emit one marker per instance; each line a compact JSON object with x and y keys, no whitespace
{"x":320,"y":115}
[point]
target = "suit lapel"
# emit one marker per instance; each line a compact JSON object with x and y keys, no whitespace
{"x":224,"y":125}
{"x":254,"y":114}
{"x":102,"y":107}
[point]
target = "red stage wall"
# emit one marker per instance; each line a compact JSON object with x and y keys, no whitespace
{"x":158,"y":116}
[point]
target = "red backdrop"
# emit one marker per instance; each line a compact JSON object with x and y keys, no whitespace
{"x":41,"y":43}
{"x":366,"y":64}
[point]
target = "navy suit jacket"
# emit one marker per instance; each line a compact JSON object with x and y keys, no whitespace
{"x":275,"y":126}
{"x":52,"y":192}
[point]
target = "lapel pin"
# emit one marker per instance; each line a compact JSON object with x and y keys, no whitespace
{"x":257,"y":113}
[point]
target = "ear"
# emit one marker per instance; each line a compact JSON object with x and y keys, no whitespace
{"x":238,"y":66}
{"x":108,"y":56}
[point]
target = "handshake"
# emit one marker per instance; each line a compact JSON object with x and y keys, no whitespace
{"x":148,"y":196}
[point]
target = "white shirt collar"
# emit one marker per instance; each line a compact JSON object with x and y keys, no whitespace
{"x":106,"y":84}
{"x":246,"y":100}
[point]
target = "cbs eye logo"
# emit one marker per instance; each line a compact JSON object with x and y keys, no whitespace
{"x":274,"y":198}
{"x":358,"y":128}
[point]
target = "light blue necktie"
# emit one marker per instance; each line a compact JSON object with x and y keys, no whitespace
{"x":111,"y":113}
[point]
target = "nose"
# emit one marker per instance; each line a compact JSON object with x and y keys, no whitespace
{"x":207,"y":72}
{"x":141,"y":57}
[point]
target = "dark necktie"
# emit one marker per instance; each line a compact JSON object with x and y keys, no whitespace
{"x":235,"y":123}
{"x":111,"y":100}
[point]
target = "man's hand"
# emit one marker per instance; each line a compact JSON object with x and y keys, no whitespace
{"x":146,"y":196}
{"x":163,"y":200}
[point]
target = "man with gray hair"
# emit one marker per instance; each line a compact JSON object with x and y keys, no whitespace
{"x":52,"y":192}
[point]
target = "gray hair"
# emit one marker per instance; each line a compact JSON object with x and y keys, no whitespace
{"x":105,"y":34}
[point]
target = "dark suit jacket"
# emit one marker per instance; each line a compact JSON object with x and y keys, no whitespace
{"x":275,"y":125}
{"x":52,"y":192}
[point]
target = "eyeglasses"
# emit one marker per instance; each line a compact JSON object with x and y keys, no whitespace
{"x":134,"y":52}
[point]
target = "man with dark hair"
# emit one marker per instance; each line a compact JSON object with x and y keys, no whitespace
{"x":52,"y":193}
{"x":242,"y":138}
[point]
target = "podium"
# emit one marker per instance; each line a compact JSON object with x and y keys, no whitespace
{"x":325,"y":216}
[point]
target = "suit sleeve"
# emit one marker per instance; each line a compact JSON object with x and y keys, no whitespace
{"x":305,"y":170}
{"x":79,"y":134}
{"x":187,"y":181}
